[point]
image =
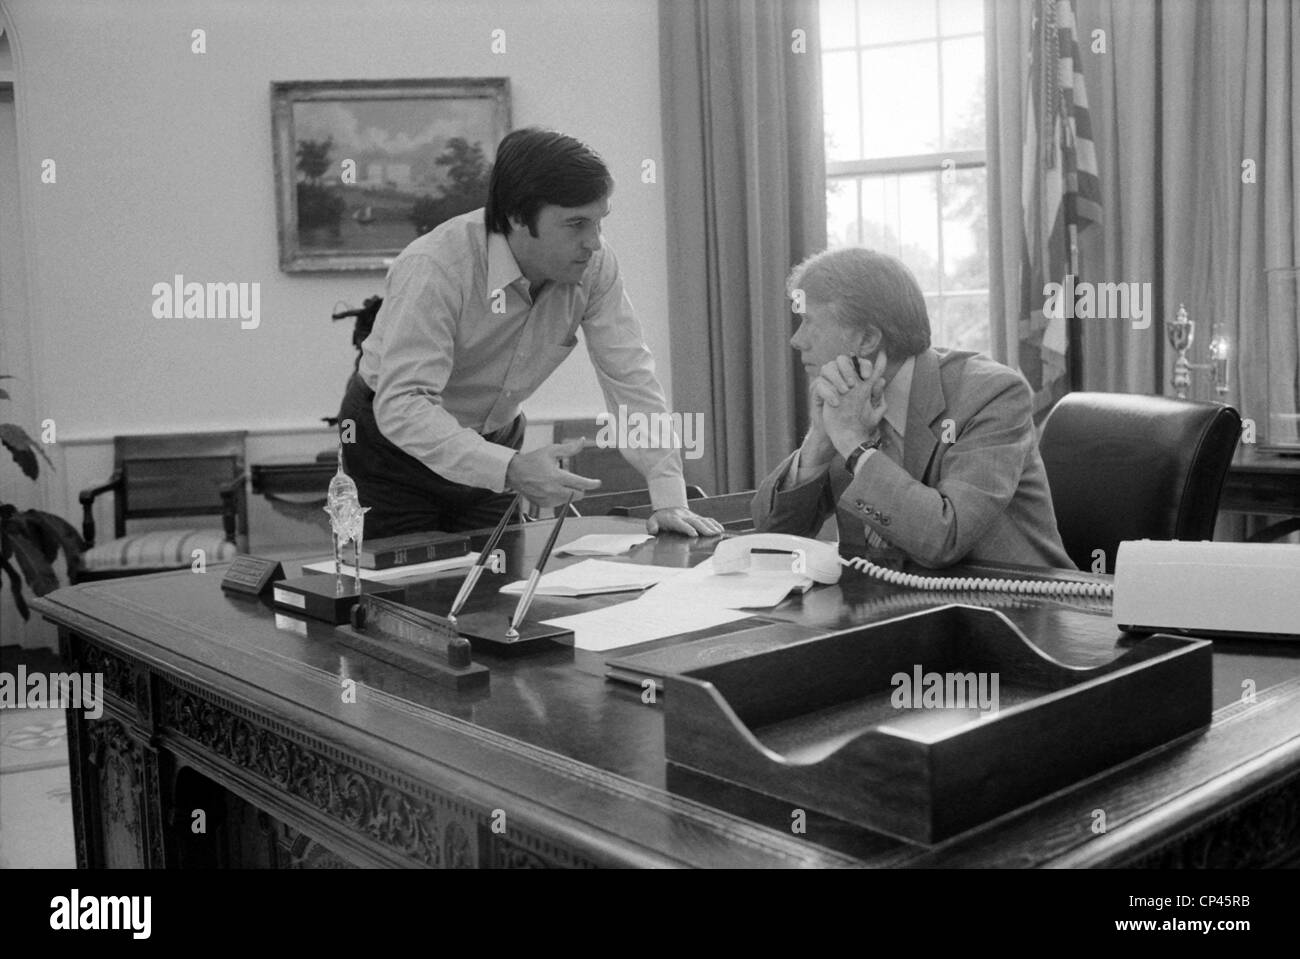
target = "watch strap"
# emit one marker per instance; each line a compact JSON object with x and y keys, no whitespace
{"x":851,"y":461}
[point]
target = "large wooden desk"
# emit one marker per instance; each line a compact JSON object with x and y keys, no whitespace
{"x":222,"y":716}
{"x":1264,"y":484}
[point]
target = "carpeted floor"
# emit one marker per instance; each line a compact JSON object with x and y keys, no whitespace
{"x":32,"y":739}
{"x":35,"y":798}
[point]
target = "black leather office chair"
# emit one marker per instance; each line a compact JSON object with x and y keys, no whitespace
{"x":1122,"y":467}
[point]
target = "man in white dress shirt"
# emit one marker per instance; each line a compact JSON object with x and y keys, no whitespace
{"x":476,"y":315}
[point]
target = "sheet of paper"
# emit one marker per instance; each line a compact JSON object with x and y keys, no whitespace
{"x":397,"y":572}
{"x":602,"y":544}
{"x":594,"y":576}
{"x":640,"y":621}
{"x":762,"y":587}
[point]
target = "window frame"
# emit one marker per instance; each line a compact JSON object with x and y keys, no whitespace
{"x":937,"y":162}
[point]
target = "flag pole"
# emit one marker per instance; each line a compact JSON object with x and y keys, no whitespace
{"x":1074,"y":331}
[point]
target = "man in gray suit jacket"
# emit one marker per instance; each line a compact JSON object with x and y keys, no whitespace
{"x":930,"y":451}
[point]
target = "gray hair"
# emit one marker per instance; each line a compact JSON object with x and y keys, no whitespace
{"x":863,"y":287}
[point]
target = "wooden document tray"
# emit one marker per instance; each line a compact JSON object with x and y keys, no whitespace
{"x":816,"y":723}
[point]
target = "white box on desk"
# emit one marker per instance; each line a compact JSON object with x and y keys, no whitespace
{"x":1204,"y":587}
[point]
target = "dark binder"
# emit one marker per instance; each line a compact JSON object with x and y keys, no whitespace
{"x":412,"y":548}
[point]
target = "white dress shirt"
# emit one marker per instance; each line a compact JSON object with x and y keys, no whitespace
{"x":460,"y":343}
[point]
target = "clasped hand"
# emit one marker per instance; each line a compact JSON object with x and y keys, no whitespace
{"x":847,"y":406}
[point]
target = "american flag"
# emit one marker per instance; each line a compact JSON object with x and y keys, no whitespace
{"x":1060,"y":193}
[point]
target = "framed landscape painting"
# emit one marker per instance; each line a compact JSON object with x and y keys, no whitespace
{"x":363,"y":167}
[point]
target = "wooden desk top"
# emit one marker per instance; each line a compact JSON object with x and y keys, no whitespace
{"x":556,"y":745}
{"x":1265,"y":483}
{"x":1248,"y":459}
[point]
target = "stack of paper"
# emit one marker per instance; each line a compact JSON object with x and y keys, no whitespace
{"x":763,"y":586}
{"x":603,"y":544}
{"x":592,"y":577}
{"x":684,"y":602}
{"x":640,"y":621}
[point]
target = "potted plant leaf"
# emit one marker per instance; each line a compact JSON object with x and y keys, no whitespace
{"x":30,"y":540}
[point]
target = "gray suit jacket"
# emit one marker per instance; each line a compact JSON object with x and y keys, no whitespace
{"x":971,"y":488}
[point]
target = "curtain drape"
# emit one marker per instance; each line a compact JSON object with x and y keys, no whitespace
{"x":745,"y":191}
{"x":1196,"y":118}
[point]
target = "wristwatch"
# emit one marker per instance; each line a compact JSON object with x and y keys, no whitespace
{"x":851,"y":461}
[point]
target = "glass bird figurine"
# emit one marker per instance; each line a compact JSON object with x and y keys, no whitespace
{"x":347,"y":519}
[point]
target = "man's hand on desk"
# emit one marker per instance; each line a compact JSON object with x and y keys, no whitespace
{"x":538,"y":476}
{"x":678,"y":519}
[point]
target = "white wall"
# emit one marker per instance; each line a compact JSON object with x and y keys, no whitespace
{"x":164,"y":166}
{"x":16,"y":488}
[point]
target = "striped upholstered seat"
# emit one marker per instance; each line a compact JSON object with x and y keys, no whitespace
{"x":163,"y":549}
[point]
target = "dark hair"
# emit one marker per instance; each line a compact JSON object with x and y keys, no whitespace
{"x":535,"y":167}
{"x":864,"y":287}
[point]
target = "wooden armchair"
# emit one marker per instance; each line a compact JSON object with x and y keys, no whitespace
{"x":178,"y":475}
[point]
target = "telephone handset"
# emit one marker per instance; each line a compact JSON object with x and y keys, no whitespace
{"x":811,"y":557}
{"x":822,"y":562}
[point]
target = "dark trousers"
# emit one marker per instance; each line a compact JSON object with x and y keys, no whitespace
{"x":403,"y":494}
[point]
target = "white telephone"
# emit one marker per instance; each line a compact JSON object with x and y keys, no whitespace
{"x":823,"y":563}
{"x":813,"y":558}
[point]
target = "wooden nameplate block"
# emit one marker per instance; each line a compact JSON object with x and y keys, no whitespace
{"x":423,"y":643}
{"x":900,"y":728}
{"x":486,"y":631}
{"x":316,"y":595}
{"x":251,"y":575}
